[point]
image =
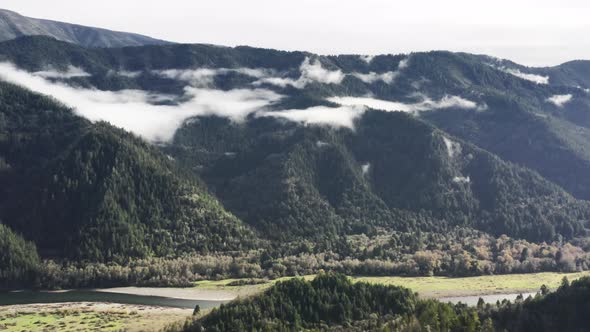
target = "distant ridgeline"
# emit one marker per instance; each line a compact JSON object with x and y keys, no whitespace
{"x":334,"y":303}
{"x":287,"y":162}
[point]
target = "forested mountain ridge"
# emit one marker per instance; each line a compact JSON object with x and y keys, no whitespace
{"x":392,"y":171}
{"x":13,"y":25}
{"x":341,"y":157}
{"x":517,"y":117}
{"x":91,"y":191}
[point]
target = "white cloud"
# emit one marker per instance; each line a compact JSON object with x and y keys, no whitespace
{"x":280,"y":82}
{"x":387,"y":77}
{"x":203,"y":77}
{"x":367,"y":58}
{"x":403,"y":64}
{"x":311,"y":71}
{"x":529,"y":77}
{"x":133,"y":110}
{"x":197,"y":77}
{"x":335,"y":116}
{"x":559,"y":100}
{"x":372,"y":77}
{"x":426,"y":104}
{"x":70,"y":73}
{"x":130,"y":74}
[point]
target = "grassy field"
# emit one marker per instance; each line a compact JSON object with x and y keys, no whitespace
{"x":483,"y":285}
{"x":87,"y":317}
{"x":115,"y":317}
{"x":429,"y":286}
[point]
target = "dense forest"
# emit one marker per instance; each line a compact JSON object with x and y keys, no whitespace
{"x":497,"y":188}
{"x":93,"y":192}
{"x":331,"y":302}
{"x":311,"y":180}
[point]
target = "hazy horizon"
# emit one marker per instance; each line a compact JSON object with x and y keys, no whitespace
{"x":533,"y":33}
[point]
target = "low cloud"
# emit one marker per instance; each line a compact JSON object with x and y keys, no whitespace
{"x":311,"y":71}
{"x":526,"y":76}
{"x":71,"y":72}
{"x":321,"y":115}
{"x":367,"y":58}
{"x":559,"y":100}
{"x":373,"y":77}
{"x":403,"y":64}
{"x":387,"y":77}
{"x":426,"y":104}
{"x":134,"y":110}
{"x":130,"y":74}
{"x":203,"y":77}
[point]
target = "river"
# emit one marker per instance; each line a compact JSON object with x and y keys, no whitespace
{"x":186,"y":302}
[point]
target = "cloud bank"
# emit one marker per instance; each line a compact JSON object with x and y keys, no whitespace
{"x":202,"y":77}
{"x":311,"y":71}
{"x":71,"y":72}
{"x":373,"y":77}
{"x":134,"y":110}
{"x":321,"y":115}
{"x":367,"y":58}
{"x":559,"y":100}
{"x":426,"y":104}
{"x":529,"y":77}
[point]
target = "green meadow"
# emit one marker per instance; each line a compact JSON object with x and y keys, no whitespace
{"x":426,"y":286}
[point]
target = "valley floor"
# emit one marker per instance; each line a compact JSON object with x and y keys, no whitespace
{"x":429,"y":287}
{"x":88,"y":316}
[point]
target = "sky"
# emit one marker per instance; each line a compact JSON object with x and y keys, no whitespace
{"x":533,"y":33}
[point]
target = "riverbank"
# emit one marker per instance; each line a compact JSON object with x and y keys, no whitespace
{"x":177,"y":293}
{"x":150,"y":309}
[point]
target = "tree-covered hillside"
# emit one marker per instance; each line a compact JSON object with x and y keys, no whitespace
{"x":331,"y":302}
{"x":391,"y":171}
{"x":91,"y":191}
{"x":516,"y":119}
{"x":477,"y":148}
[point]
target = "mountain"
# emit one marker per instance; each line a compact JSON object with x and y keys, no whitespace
{"x":14,"y":25}
{"x":91,"y":191}
{"x":263,"y":154}
{"x":392,"y":171}
{"x":520,"y":123}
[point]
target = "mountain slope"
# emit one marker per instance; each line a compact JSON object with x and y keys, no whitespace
{"x":332,"y":302}
{"x":13,"y":25}
{"x":291,"y":181}
{"x":91,"y":191}
{"x":391,"y":171}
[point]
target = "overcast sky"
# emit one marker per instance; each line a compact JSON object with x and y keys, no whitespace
{"x":531,"y":32}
